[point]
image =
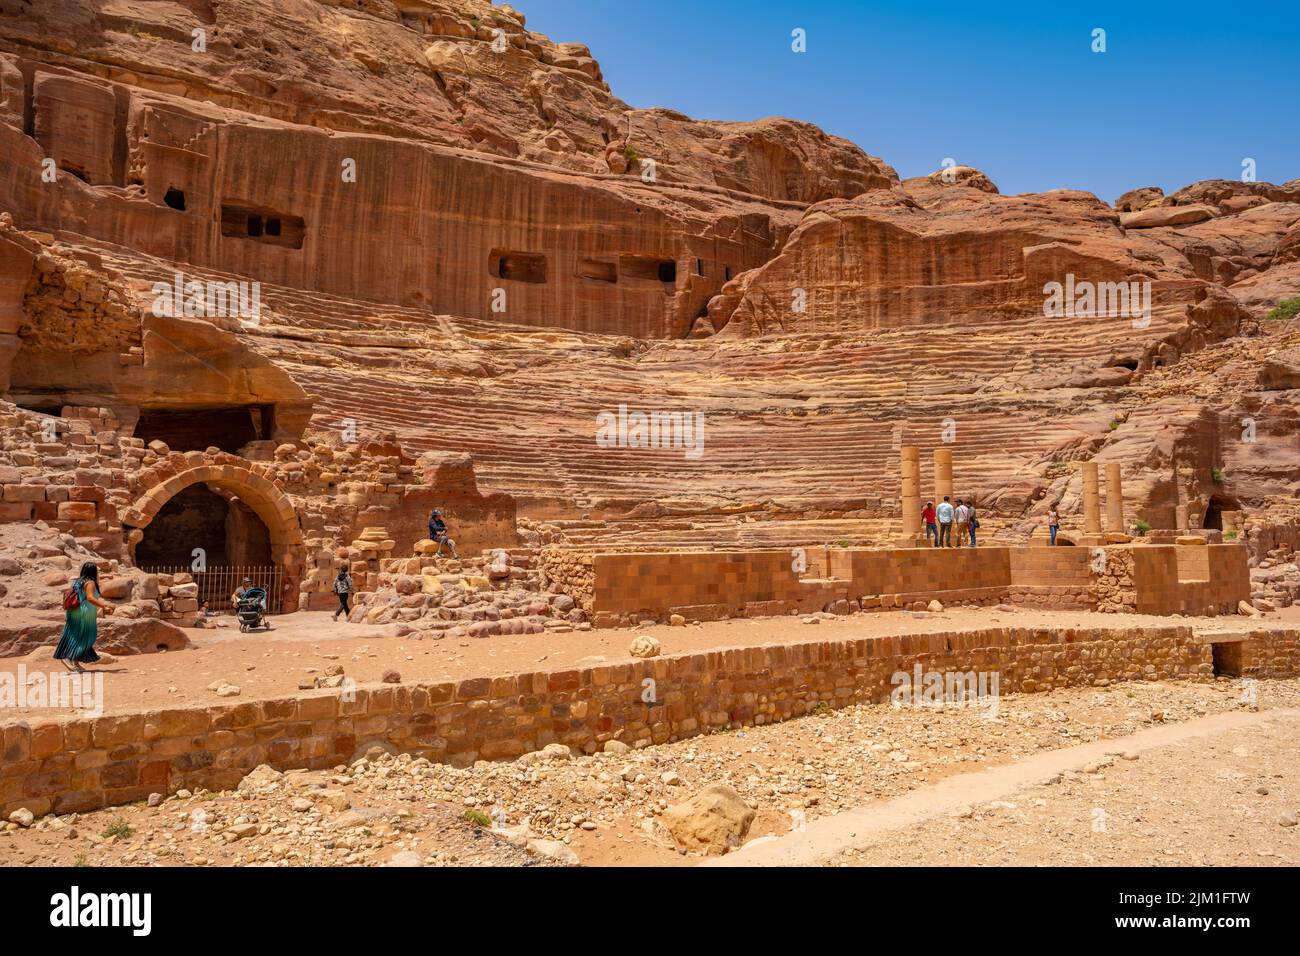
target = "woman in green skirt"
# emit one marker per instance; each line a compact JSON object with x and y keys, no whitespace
{"x":78,"y":642}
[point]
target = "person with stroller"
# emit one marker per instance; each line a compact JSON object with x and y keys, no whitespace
{"x":251,"y":603}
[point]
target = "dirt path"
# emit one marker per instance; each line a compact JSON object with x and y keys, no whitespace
{"x":306,"y":643}
{"x":935,"y":816}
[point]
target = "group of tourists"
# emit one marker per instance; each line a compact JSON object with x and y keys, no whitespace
{"x":939,"y":523}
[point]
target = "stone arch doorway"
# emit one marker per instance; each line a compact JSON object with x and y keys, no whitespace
{"x":238,"y":512}
{"x":214,"y":520}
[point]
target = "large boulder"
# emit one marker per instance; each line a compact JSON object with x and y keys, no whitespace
{"x":21,"y":633}
{"x":713,"y":821}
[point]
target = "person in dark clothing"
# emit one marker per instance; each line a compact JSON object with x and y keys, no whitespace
{"x":438,"y":533}
{"x":343,"y":588}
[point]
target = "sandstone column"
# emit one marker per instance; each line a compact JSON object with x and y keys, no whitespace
{"x":910,"y":467}
{"x":942,"y":474}
{"x":1091,"y":501}
{"x":1114,"y":498}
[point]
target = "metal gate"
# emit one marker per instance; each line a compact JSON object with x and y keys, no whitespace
{"x":218,"y":582}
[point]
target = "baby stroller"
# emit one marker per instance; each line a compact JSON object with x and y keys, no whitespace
{"x":251,"y":609}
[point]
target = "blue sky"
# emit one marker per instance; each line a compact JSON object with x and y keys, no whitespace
{"x":1184,"y":91}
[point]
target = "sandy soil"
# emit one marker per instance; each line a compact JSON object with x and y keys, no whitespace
{"x":1229,"y":799}
{"x":269,"y":664}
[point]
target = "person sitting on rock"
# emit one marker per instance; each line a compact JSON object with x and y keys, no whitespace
{"x":438,"y":533}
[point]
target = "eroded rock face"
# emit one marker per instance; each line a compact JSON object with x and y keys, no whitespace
{"x":916,"y":256}
{"x":465,"y":244}
{"x":444,"y":158}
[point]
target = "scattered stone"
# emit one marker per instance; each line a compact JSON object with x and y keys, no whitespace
{"x":405,"y":858}
{"x":22,"y":816}
{"x":553,"y":850}
{"x":713,"y":821}
{"x":643,"y":645}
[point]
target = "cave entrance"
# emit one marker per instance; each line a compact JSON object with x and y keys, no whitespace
{"x":214,"y":536}
{"x":1214,"y":511}
{"x":197,"y":429}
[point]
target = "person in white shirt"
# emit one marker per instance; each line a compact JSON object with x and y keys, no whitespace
{"x":962,"y":519}
{"x":945,"y":514}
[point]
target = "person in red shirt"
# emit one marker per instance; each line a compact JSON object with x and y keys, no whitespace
{"x":931,"y":527}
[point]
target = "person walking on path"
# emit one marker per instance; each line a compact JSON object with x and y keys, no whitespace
{"x":931,"y":529}
{"x":81,"y":602}
{"x":962,"y":519}
{"x":945,"y":514}
{"x":974,"y":522}
{"x":343,"y":588}
{"x":1053,"y":523}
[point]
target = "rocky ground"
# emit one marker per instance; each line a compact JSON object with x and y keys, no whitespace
{"x":1228,"y":800}
{"x":609,"y":808}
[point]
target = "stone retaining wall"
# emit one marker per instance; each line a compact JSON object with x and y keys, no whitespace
{"x":708,"y":585}
{"x":66,"y":765}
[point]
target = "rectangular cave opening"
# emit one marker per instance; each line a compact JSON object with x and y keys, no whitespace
{"x":1227,"y":658}
{"x":648,"y":267}
{"x":244,"y":221}
{"x":598,"y":270}
{"x":519,"y":266}
{"x":196,"y":429}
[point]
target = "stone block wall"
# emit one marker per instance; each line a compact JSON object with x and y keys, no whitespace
{"x":979,"y":575}
{"x":629,"y":586}
{"x":1168,"y":582}
{"x":69,"y":764}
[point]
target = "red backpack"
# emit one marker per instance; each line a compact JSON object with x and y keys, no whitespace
{"x":70,"y":599}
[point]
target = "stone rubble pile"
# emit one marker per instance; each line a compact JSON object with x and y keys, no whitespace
{"x":498,"y":592}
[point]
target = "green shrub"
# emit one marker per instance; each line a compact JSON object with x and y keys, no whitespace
{"x":1114,"y":424}
{"x":119,"y":828}
{"x":1230,"y":536}
{"x":478,"y":818}
{"x":1286,"y":309}
{"x":1217,"y":475}
{"x":1141,"y":526}
{"x":630,"y":154}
